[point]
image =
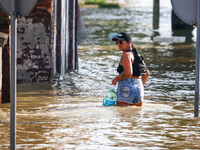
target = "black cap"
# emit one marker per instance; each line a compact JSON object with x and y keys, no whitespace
{"x":122,"y":36}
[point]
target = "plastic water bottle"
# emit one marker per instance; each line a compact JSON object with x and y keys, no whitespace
{"x":110,"y":98}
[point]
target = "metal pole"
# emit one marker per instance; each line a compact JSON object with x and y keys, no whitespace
{"x":67,"y":38}
{"x":55,"y":36}
{"x":76,"y":35}
{"x":71,"y":36}
{"x":74,"y":42}
{"x":196,"y":110}
{"x":63,"y":35}
{"x":13,"y":77}
{"x":156,"y":13}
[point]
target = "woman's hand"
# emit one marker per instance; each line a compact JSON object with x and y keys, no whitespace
{"x":114,"y":81}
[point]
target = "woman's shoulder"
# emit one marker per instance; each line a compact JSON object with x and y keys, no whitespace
{"x":128,"y":54}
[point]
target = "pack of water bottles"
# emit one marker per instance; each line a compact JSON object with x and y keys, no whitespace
{"x":110,"y":98}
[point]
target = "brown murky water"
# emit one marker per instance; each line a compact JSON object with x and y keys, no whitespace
{"x":68,"y":114}
{"x":59,"y":118}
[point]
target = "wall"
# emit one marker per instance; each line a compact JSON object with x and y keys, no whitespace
{"x":46,"y":43}
{"x":5,"y":61}
{"x":34,"y":52}
{"x":5,"y":67}
{"x":0,"y":76}
{"x":46,"y":40}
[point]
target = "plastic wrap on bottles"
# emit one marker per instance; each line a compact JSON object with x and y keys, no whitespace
{"x":110,"y":98}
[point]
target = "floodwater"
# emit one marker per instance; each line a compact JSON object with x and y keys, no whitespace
{"x":68,"y":114}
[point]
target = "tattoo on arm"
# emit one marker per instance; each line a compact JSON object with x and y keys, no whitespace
{"x":123,"y":75}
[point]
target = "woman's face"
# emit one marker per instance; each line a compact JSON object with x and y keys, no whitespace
{"x":123,"y":45}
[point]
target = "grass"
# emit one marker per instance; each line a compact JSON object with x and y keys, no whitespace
{"x":109,"y":5}
{"x":94,"y":1}
{"x":102,"y":3}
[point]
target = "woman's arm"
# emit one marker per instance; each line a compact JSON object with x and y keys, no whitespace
{"x":145,"y":77}
{"x":127,"y":64}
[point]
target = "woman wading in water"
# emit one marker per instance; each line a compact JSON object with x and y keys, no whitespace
{"x":130,"y":89}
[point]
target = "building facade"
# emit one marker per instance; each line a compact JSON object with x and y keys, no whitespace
{"x":46,"y":42}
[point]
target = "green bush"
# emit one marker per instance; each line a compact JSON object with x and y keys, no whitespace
{"x":94,"y":1}
{"x":109,"y":5}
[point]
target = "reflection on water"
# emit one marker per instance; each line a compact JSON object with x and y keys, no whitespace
{"x":69,"y":114}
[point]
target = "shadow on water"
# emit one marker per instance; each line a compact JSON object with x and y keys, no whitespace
{"x":69,"y":114}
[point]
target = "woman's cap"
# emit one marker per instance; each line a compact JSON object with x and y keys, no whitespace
{"x":122,"y":36}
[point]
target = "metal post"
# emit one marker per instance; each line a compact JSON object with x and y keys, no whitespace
{"x":67,"y":37}
{"x":156,"y":14}
{"x":55,"y":37}
{"x":63,"y":34}
{"x":13,"y":83}
{"x":13,"y":76}
{"x":76,"y":35}
{"x":71,"y":36}
{"x":196,"y":110}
